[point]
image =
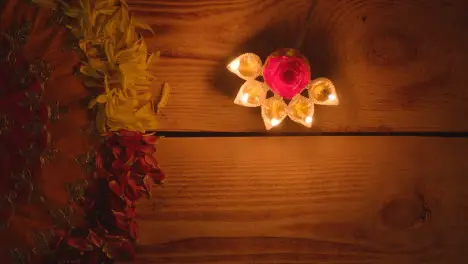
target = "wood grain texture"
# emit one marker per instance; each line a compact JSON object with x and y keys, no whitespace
{"x":397,"y":65}
{"x":308,"y":200}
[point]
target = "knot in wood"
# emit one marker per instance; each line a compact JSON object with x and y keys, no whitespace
{"x":405,"y":213}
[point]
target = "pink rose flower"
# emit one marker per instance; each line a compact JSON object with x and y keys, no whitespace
{"x":287,"y":72}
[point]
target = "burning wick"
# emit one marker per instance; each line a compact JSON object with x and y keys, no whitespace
{"x":275,"y":122}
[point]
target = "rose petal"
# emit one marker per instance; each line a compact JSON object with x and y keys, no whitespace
{"x":287,"y":73}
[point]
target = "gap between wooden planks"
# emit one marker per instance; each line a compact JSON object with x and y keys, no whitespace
{"x":397,"y":65}
{"x":308,"y":200}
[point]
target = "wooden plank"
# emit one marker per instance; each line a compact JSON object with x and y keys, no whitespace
{"x":398,"y":65}
{"x":308,"y":200}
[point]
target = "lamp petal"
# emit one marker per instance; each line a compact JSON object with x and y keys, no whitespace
{"x":323,"y":92}
{"x":246,"y":66}
{"x":274,"y":111}
{"x":251,"y":94}
{"x":301,"y":110}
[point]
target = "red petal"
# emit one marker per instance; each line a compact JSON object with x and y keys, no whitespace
{"x":99,"y":164}
{"x":127,"y":133}
{"x":94,"y":239}
{"x":149,"y":139}
{"x":116,"y":151}
{"x":119,"y":215}
{"x":121,"y":224}
{"x":131,"y":191}
{"x":60,"y":232}
{"x":130,"y":212}
{"x":55,"y":242}
{"x":124,"y":178}
{"x":129,"y":157}
{"x":118,"y":166}
{"x":140,"y":166}
{"x":109,"y":134}
{"x":157,"y":175}
{"x":151,"y":160}
{"x":79,"y":243}
{"x":115,"y":187}
{"x":147,"y":149}
{"x":59,"y":236}
{"x":148,"y":182}
{"x":134,"y":230}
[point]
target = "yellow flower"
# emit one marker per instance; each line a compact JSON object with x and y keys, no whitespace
{"x":117,"y":62}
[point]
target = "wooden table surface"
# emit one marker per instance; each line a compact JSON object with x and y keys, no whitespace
{"x":398,"y":65}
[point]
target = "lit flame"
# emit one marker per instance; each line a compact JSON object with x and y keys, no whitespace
{"x":275,"y":122}
{"x":309,"y":120}
{"x":245,"y":98}
{"x":332,"y":97}
{"x":234,"y":65}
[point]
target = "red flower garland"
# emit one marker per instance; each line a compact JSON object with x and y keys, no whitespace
{"x":125,"y":170}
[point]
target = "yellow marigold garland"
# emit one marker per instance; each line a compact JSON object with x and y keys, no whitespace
{"x":117,"y":61}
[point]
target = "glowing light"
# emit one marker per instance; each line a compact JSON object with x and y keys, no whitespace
{"x":248,"y":66}
{"x":275,"y":122}
{"x":234,"y":66}
{"x":251,"y":94}
{"x":301,"y":110}
{"x":245,"y":98}
{"x":323,"y":92}
{"x":274,"y":111}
